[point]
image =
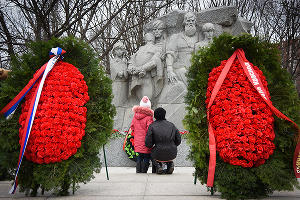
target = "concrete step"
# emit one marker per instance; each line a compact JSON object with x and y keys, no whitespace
{"x":125,"y":184}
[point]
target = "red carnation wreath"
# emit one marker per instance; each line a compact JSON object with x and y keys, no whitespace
{"x":241,"y":121}
{"x":60,"y":118}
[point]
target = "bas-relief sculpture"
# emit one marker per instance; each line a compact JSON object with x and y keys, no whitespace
{"x":146,"y":70}
{"x":158,"y":68}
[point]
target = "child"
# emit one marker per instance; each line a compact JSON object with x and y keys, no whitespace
{"x":143,"y":117}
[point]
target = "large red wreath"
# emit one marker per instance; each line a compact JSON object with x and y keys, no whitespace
{"x":60,"y":118}
{"x":242,"y":122}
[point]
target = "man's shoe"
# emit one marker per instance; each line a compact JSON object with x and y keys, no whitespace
{"x":153,"y":168}
{"x":170,"y":168}
{"x":159,"y":168}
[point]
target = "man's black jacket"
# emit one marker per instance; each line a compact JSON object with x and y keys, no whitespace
{"x":164,"y":137}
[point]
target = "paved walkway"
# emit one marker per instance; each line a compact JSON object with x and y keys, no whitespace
{"x":125,"y":184}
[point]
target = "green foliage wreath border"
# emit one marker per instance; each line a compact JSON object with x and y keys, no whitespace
{"x":57,"y":177}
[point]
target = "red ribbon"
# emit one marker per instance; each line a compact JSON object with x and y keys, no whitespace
{"x":212,"y":141}
{"x":296,"y":161}
{"x":124,"y":143}
{"x":25,"y":89}
{"x":257,"y":84}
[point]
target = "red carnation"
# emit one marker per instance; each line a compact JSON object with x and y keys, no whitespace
{"x":242,"y":122}
{"x":57,"y":128}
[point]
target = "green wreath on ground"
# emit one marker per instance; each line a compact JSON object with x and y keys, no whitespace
{"x":236,"y":182}
{"x":79,"y":168}
{"x":128,"y":146}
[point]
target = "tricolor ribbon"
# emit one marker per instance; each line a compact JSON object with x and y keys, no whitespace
{"x":10,"y":108}
{"x":257,"y":84}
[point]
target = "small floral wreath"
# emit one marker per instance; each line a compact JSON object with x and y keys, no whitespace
{"x":128,"y":146}
{"x":241,"y":120}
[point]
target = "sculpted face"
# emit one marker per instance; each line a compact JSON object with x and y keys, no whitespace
{"x":190,"y":24}
{"x":158,"y":32}
{"x":190,"y":21}
{"x":208,"y":31}
{"x":208,"y":34}
{"x":158,"y":29}
{"x":149,"y":38}
{"x":119,"y":52}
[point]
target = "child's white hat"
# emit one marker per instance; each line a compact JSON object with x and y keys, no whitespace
{"x":145,"y":102}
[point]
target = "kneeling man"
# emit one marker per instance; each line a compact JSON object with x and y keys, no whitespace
{"x":164,"y":137}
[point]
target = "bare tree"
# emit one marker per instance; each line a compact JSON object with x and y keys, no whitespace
{"x":99,"y":22}
{"x":28,"y":20}
{"x":276,"y":21}
{"x":102,"y":23}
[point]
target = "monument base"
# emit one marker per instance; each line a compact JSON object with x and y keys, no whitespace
{"x":116,"y":157}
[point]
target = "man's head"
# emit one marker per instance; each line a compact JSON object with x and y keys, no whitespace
{"x":158,"y":28}
{"x":160,"y":113}
{"x":189,"y":24}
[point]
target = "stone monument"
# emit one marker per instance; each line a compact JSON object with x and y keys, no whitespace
{"x":158,"y":68}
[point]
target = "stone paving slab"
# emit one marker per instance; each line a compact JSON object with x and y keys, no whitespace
{"x":125,"y":184}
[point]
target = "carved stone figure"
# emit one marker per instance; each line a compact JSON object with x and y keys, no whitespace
{"x":208,"y":33}
{"x":158,"y":29}
{"x":158,"y":69}
{"x":143,"y":66}
{"x":180,"y":48}
{"x":119,"y":75}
